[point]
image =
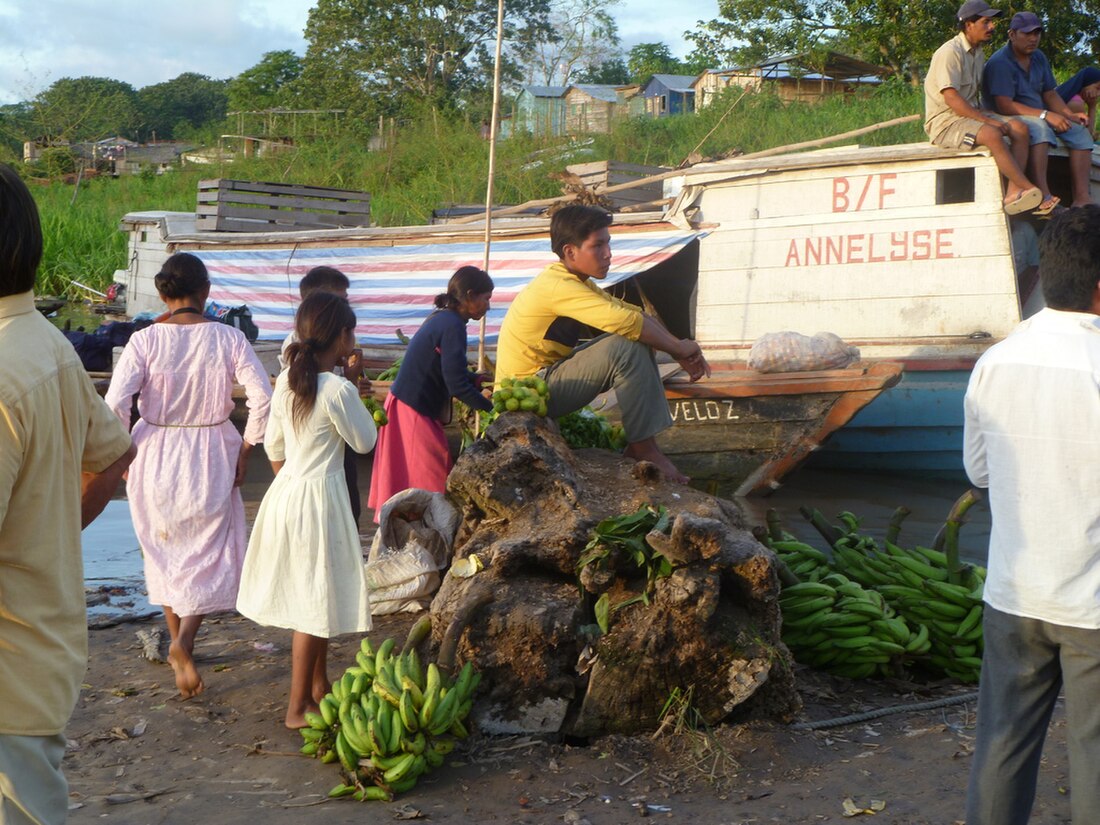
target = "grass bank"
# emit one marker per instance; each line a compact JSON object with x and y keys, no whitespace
{"x":436,"y":161}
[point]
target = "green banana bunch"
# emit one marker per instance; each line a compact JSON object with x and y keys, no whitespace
{"x":915,"y":582}
{"x":841,"y":627}
{"x":388,"y":720}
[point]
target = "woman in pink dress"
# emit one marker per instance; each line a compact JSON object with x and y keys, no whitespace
{"x":183,"y":486}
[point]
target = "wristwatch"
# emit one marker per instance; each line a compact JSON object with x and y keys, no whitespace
{"x":1043,"y":115}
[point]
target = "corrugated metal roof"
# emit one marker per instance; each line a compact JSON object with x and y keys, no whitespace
{"x":599,"y":91}
{"x":545,"y":91}
{"x":837,"y":66}
{"x":675,"y":82}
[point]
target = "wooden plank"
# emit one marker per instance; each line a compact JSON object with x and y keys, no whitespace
{"x":290,"y":203}
{"x":283,"y":216}
{"x":227,"y":184}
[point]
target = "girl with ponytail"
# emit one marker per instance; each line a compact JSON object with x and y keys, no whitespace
{"x":412,"y":447}
{"x":304,"y":567}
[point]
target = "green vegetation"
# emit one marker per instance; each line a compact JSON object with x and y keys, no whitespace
{"x":437,"y":160}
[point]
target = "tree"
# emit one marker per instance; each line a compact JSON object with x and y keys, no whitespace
{"x":266,"y":85}
{"x":86,"y":108}
{"x":647,"y":59}
{"x":611,"y":73}
{"x":583,"y":37}
{"x":898,"y":35}
{"x":188,"y":101}
{"x":374,"y":56}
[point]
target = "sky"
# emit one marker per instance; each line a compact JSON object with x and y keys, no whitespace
{"x":42,"y":41}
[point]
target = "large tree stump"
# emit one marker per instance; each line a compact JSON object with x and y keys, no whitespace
{"x":711,"y":628}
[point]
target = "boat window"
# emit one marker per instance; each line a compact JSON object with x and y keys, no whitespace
{"x":955,"y":185}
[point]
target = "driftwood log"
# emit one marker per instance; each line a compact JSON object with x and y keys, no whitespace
{"x":710,"y":630}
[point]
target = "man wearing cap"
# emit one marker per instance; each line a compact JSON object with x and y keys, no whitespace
{"x":953,"y":117}
{"x":1017,"y":82}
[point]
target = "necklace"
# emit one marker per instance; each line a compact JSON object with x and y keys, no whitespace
{"x":185,"y":311}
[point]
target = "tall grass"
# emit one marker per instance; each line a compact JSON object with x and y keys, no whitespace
{"x":439,"y":161}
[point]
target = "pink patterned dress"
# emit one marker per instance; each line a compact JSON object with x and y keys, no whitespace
{"x":188,"y":516}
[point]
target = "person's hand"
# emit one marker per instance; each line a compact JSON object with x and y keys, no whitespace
{"x":353,"y":365}
{"x":481,"y":379}
{"x":1080,"y":117}
{"x":364,"y":386}
{"x":1059,"y":123}
{"x":242,"y":464}
{"x":692,"y":360}
{"x":1000,"y":125}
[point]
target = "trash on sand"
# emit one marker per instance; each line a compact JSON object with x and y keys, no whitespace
{"x":466,"y":567}
{"x":265,"y":647}
{"x":852,"y":809}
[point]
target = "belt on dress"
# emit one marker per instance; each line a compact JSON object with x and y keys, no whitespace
{"x":185,"y":426}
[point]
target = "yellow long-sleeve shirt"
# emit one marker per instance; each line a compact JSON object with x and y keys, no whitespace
{"x":541,"y":325}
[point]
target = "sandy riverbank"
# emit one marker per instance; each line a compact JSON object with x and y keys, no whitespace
{"x":140,"y":755}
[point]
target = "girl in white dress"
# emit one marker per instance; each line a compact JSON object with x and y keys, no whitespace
{"x":304,"y":567}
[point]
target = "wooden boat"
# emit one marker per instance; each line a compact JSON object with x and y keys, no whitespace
{"x":902,"y":251}
{"x":740,"y":432}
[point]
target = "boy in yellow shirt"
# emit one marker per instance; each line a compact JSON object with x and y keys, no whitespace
{"x":545,"y":321}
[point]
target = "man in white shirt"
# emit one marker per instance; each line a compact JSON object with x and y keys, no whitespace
{"x":1032,"y":436}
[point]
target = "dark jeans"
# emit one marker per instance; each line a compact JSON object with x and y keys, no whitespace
{"x":1026,"y":664}
{"x":1073,"y":86}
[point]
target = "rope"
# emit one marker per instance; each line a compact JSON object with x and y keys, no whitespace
{"x":875,"y":714}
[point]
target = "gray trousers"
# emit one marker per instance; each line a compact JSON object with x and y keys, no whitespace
{"x":33,"y":791}
{"x":1026,"y":664}
{"x":612,"y":362}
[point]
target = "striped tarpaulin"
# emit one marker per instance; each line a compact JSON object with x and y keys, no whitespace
{"x":392,"y":288}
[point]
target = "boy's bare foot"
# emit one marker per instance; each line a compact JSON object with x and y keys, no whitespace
{"x":647,"y":451}
{"x":188,"y":681}
{"x":296,"y":718}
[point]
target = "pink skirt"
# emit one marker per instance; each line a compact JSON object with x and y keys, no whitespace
{"x":412,"y":451}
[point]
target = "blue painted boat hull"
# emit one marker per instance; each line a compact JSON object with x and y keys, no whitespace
{"x":916,"y":426}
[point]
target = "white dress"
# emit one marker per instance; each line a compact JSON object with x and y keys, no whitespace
{"x":188,"y":516}
{"x":304,"y":567}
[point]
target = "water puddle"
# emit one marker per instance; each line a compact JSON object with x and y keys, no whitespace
{"x":114,"y":584}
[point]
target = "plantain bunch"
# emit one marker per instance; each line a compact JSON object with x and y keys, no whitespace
{"x":388,"y":721}
{"x":836,"y":624}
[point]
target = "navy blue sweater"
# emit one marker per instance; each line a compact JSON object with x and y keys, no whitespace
{"x":434,"y":367}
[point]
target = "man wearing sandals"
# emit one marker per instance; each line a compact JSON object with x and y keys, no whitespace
{"x":1017,"y":82}
{"x":953,"y":118}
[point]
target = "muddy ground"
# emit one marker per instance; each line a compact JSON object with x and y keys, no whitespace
{"x":140,"y":755}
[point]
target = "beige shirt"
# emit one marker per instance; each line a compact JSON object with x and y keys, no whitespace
{"x":955,"y":65}
{"x":53,"y":425}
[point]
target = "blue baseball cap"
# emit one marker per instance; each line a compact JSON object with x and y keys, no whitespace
{"x":1026,"y":21}
{"x":977,"y":8}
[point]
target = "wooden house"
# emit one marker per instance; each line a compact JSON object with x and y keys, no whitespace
{"x":590,"y":107}
{"x":539,"y":110}
{"x":804,"y":77}
{"x":669,"y":94}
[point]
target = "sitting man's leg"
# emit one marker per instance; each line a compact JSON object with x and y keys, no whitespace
{"x":628,"y":367}
{"x":1011,"y":163}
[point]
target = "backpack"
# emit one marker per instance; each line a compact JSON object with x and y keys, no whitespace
{"x":238,"y":316}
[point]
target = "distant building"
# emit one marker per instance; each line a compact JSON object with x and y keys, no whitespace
{"x":669,"y":94}
{"x":539,"y":110}
{"x":582,"y":108}
{"x":804,"y":77}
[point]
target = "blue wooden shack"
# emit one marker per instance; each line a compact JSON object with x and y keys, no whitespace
{"x":669,"y":94}
{"x":539,"y":110}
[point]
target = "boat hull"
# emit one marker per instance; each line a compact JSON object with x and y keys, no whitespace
{"x":741,"y":432}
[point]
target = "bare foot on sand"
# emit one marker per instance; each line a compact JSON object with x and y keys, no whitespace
{"x":296,"y":718}
{"x":647,"y":451}
{"x":188,"y":680}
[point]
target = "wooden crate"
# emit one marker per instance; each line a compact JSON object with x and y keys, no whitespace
{"x":242,"y":206}
{"x":601,"y":174}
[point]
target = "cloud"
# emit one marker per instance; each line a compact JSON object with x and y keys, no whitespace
{"x":139,"y":44}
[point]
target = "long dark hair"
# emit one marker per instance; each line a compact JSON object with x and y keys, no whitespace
{"x":321,"y":319}
{"x":20,"y":234}
{"x":466,"y":279}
